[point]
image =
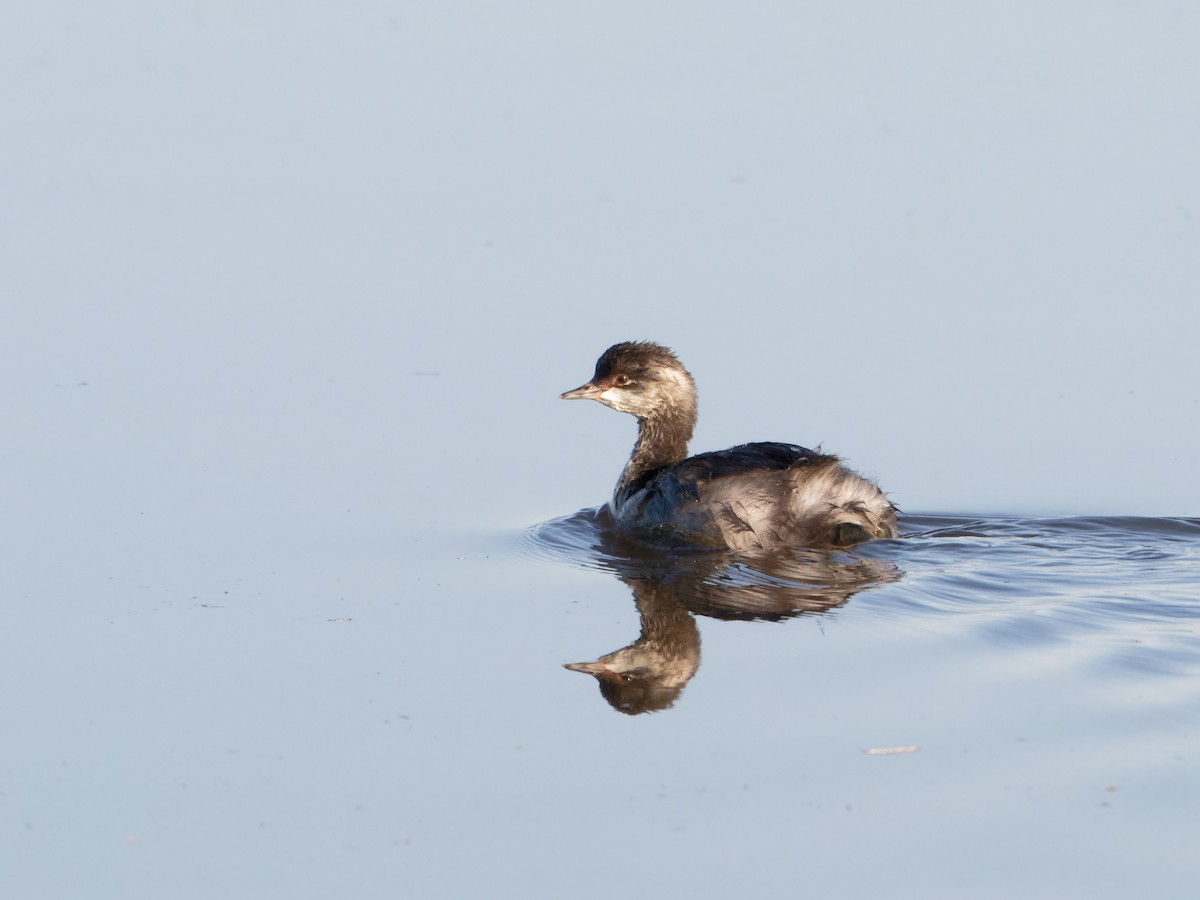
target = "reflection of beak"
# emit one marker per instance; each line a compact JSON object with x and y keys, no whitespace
{"x":592,"y":668}
{"x":588,"y":391}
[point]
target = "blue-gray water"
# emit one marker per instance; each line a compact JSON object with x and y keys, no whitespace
{"x":290,"y":292}
{"x":987,"y":706}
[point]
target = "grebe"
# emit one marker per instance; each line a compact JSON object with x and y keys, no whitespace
{"x":751,"y":497}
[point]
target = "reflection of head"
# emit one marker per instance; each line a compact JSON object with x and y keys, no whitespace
{"x":627,"y":693}
{"x":650,"y":673}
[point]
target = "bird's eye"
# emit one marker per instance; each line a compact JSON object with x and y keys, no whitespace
{"x":622,"y":380}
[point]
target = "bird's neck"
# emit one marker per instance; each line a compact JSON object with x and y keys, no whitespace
{"x":662,"y":440}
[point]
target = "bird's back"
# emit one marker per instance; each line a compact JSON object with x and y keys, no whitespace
{"x":755,"y":497}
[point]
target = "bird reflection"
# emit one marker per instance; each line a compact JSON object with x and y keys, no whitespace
{"x":671,"y":588}
{"x":648,"y":675}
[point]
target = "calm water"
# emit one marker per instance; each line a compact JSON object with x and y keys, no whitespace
{"x":985,"y":707}
{"x":290,"y":295}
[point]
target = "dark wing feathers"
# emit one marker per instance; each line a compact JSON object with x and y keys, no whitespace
{"x":664,"y":503}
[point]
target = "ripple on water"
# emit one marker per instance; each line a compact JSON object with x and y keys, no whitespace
{"x":1128,"y":586}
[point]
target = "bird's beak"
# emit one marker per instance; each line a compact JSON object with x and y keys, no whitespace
{"x":592,"y":668}
{"x":588,"y":391}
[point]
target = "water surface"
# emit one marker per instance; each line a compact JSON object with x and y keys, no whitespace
{"x":992,"y":705}
{"x":290,"y":294}
{"x":1125,"y":588}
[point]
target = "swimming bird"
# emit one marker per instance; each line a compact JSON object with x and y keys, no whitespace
{"x":753,"y":497}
